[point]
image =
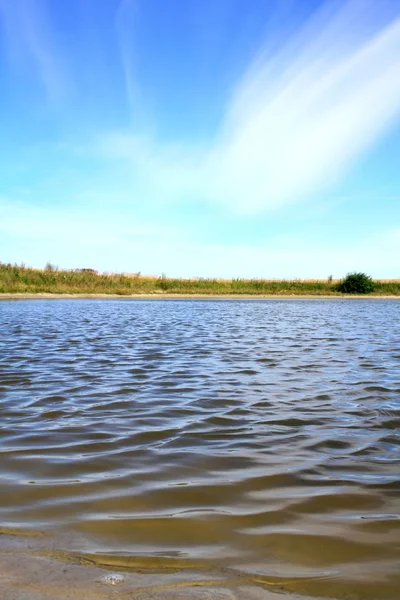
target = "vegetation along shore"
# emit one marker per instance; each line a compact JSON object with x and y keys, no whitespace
{"x":19,"y":279}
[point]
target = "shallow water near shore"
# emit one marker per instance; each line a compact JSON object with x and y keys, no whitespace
{"x":249,"y":442}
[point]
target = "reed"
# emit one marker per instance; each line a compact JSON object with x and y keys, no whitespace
{"x":21,"y":279}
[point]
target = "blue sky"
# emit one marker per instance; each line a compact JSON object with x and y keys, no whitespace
{"x":201,"y":137}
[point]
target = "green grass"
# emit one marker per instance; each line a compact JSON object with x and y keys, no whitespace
{"x":22,"y":279}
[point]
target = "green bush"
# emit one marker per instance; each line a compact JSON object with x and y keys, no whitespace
{"x":356,"y":283}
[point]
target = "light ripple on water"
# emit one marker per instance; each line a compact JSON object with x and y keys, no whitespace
{"x":261,"y":436}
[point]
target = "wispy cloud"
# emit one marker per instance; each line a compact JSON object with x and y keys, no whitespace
{"x":297,"y":120}
{"x":30,"y":44}
{"x":304,"y":111}
{"x":125,"y":24}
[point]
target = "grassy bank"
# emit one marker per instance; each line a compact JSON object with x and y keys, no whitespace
{"x":21,"y":279}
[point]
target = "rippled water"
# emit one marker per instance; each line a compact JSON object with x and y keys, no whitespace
{"x":257,"y":436}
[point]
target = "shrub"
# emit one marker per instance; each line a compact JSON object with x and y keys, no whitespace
{"x":356,"y":283}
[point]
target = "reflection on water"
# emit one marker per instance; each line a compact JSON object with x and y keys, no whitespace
{"x":258,"y":436}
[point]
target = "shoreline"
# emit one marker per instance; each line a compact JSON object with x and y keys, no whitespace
{"x":166,"y":296}
{"x":32,"y":566}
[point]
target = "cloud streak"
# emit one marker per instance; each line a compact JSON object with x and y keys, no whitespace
{"x":297,"y":121}
{"x":125,"y":23}
{"x":27,"y":32}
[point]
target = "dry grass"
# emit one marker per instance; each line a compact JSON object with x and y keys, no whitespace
{"x":22,"y":279}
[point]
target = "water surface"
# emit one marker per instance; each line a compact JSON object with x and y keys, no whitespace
{"x":257,"y":437}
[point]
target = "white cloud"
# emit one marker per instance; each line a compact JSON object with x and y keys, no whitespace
{"x":296,"y":122}
{"x":300,"y":116}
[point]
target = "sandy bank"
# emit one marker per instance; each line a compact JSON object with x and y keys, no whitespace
{"x":165,"y":296}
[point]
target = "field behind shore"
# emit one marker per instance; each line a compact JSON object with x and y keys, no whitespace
{"x":19,"y":279}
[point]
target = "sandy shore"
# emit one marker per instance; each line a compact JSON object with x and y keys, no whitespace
{"x":164,"y":296}
{"x":32,"y":569}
